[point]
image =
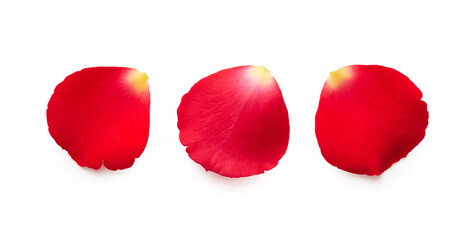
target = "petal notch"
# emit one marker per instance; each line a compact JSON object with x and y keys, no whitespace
{"x":101,"y":115}
{"x":368,"y":118}
{"x":235,"y":122}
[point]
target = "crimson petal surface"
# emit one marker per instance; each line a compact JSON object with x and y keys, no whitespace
{"x":101,"y":116}
{"x":235,"y":122}
{"x":368,"y":118}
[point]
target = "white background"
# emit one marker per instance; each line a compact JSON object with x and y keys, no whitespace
{"x":44,"y":194}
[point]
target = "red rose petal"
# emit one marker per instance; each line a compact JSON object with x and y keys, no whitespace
{"x":101,"y":115}
{"x":235,"y":122}
{"x":368,"y":118}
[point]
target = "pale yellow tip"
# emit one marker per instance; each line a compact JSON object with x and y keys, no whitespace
{"x":260,"y":74}
{"x":337,"y":77}
{"x":139,"y":80}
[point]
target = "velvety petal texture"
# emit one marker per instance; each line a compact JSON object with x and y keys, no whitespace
{"x":368,"y":118}
{"x":235,"y":122}
{"x":101,"y":116}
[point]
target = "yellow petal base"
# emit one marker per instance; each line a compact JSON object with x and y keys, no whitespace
{"x":260,"y":74}
{"x":337,"y":77}
{"x":139,"y":80}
